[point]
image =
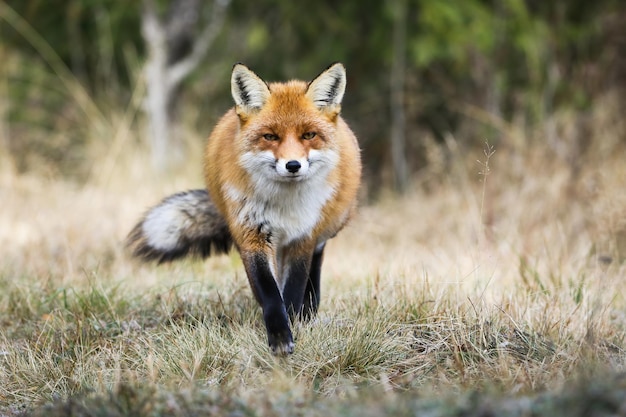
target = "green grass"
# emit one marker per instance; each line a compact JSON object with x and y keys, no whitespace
{"x":190,"y":349}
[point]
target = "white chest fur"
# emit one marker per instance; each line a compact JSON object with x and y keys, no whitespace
{"x":288,"y":210}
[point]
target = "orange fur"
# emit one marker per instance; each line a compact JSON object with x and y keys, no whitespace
{"x":288,"y":114}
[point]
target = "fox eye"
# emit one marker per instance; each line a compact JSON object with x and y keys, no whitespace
{"x":309,"y":135}
{"x":270,"y":136}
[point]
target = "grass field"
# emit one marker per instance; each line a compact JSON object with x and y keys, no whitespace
{"x":495,"y":287}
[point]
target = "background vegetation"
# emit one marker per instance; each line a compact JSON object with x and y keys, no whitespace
{"x":493,"y":285}
{"x":466,"y":68}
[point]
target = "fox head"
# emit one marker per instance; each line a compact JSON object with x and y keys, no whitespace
{"x":287,"y":130}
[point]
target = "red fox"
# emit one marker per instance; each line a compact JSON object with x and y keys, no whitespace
{"x":282,"y":171}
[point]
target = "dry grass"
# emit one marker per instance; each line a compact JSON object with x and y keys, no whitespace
{"x":503,"y":275}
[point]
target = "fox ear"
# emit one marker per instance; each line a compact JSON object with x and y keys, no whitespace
{"x":249,"y":91}
{"x":327,"y":89}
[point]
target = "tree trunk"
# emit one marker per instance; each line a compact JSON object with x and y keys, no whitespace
{"x":157,"y":95}
{"x":174,"y":51}
{"x":398,"y":116}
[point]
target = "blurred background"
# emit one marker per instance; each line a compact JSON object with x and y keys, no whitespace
{"x":82,"y":79}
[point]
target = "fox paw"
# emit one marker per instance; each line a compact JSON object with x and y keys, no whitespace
{"x":281,"y":343}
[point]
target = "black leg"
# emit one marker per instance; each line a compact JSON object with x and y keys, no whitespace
{"x":267,"y":293}
{"x":293,"y":293}
{"x":312,"y":291}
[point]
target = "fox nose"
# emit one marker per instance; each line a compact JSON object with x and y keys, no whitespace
{"x":293,"y":166}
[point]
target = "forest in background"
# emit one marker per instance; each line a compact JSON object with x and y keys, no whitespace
{"x":419,"y":71}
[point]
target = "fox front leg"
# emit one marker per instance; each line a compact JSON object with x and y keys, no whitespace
{"x":295,"y":286}
{"x":299,"y":261}
{"x":312,"y":292}
{"x":268,"y":295}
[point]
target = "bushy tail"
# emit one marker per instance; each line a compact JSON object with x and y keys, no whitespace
{"x":185,"y":223}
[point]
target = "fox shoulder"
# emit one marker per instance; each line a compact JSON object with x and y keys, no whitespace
{"x":186,"y":223}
